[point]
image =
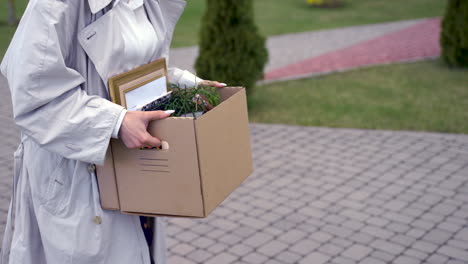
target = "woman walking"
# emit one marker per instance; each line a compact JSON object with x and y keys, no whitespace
{"x":57,"y":67}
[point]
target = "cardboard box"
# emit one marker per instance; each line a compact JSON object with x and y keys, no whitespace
{"x":207,"y":159}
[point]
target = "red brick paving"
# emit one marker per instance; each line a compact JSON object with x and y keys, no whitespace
{"x":416,"y":42}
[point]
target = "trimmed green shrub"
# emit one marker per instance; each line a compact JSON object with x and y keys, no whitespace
{"x":231,"y":48}
{"x":454,"y":36}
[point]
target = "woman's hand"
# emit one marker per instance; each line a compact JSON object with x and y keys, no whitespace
{"x":213,"y":83}
{"x":133,"y":131}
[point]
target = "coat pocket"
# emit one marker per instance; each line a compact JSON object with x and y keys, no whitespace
{"x":56,"y":189}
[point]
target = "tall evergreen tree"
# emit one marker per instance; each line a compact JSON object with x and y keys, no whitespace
{"x":231,"y":49}
{"x":454,"y":36}
{"x":12,"y":19}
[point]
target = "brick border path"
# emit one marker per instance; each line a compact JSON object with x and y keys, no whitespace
{"x":419,"y":41}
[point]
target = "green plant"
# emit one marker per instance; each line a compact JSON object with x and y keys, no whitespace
{"x":231,"y":49}
{"x":187,"y":100}
{"x":454,"y":36}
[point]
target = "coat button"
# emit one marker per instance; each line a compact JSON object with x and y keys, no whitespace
{"x":92,"y":168}
{"x":97,"y":220}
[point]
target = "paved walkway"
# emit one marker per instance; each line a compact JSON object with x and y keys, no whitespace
{"x":321,"y":195}
{"x":306,"y":54}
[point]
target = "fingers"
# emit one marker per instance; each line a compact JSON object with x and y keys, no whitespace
{"x":156,"y":115}
{"x":133,"y":131}
{"x":213,"y":83}
{"x":150,"y":141}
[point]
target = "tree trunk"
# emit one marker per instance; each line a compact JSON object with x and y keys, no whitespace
{"x":12,"y":19}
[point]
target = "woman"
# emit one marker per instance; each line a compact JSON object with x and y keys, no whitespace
{"x":57,"y":68}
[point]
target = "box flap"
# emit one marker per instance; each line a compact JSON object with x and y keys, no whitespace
{"x":224,"y":147}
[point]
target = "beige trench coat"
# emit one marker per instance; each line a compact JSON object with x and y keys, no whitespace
{"x":57,"y":66}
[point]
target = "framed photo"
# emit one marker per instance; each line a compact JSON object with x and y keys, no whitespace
{"x":140,"y":86}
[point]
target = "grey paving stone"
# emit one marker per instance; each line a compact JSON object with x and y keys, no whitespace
{"x":416,"y":233}
{"x":422,"y":224}
{"x":292,"y":236}
{"x":171,"y":242}
{"x":377,"y":221}
{"x":245,"y":231}
{"x":389,"y":247}
{"x":184,"y":222}
{"x":462,"y":234}
{"x":437,"y":236}
{"x":341,"y":242}
{"x":180,"y":260}
{"x":353,"y":225}
{"x":288,"y":257}
{"x":406,"y":260}
{"x":229,"y":239}
{"x":403,"y":240}
{"x":222,"y":258}
{"x":398,"y":227}
{"x":253,"y":258}
{"x":182,"y":249}
{"x":362,"y":238}
{"x":330,"y":249}
{"x":272,"y":248}
{"x":356,"y":215}
{"x":453,"y":252}
{"x":416,"y":254}
{"x":357,"y":252}
{"x":453,"y":261}
{"x":304,"y":247}
{"x":337,"y":230}
{"x":384,"y":256}
{"x":217,"y":248}
{"x":341,"y":260}
{"x":377,"y":232}
{"x":396,"y":205}
{"x":257,"y":239}
{"x":200,"y":255}
{"x":371,"y":260}
{"x":240,"y":250}
{"x":321,"y":236}
{"x":425,"y":246}
{"x":316,"y":258}
{"x":215,"y":233}
{"x":461,"y":244}
{"x":312,"y":212}
{"x":224,"y":224}
{"x":187,"y":236}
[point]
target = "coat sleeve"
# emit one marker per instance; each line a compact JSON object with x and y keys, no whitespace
{"x":49,"y":103}
{"x":182,"y":78}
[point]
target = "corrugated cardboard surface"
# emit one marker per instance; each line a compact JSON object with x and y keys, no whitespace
{"x":224,"y":151}
{"x":161,"y":181}
{"x":107,"y":183}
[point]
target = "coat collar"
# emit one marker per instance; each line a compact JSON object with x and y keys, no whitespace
{"x":97,"y":5}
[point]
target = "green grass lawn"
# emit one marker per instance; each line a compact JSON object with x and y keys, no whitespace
{"x":425,"y":96}
{"x":279,"y":16}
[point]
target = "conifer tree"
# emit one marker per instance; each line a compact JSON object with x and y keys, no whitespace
{"x":12,"y":19}
{"x":454,"y":36}
{"x":231,"y":49}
